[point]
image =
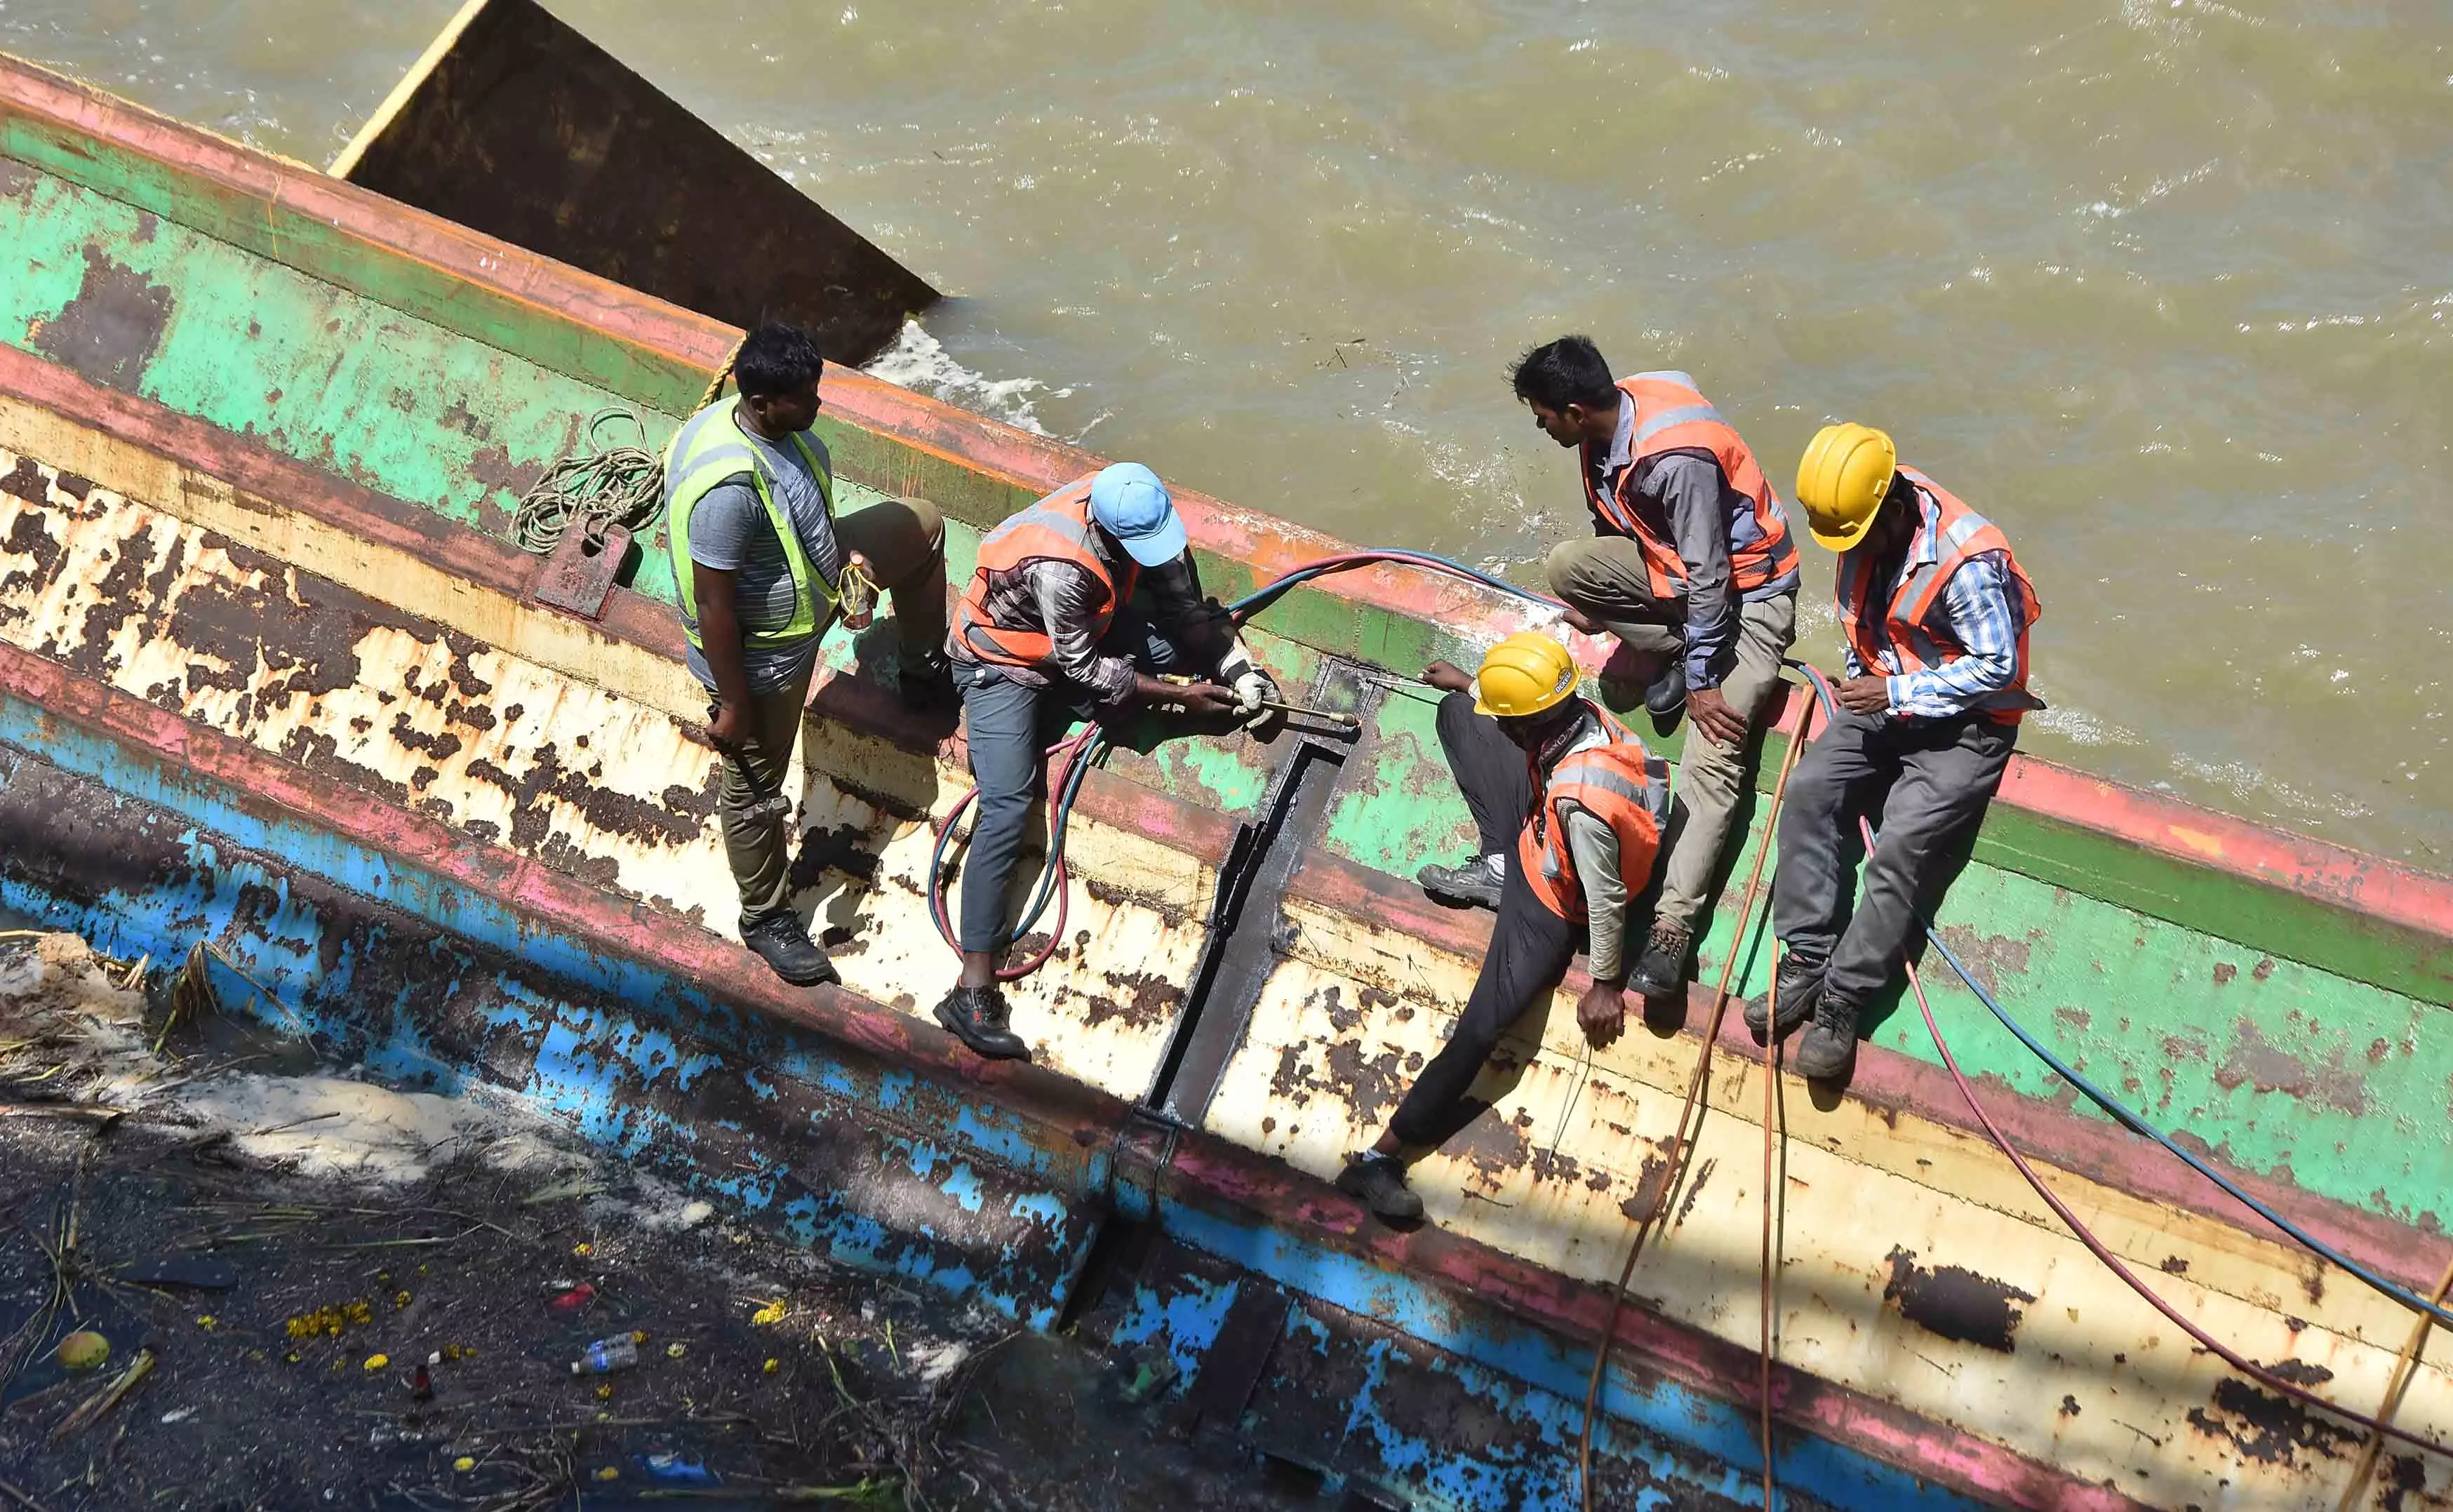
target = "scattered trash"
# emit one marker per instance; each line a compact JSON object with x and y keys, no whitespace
{"x":93,"y":1408}
{"x":675,"y":1351}
{"x":377,"y":1361}
{"x":199,"y":1272}
{"x":421,"y":1385}
{"x":937,"y":1362}
{"x":465,"y":1463}
{"x":608,"y":1472}
{"x":207,"y":1322}
{"x":673,"y":1469}
{"x":84,"y":1351}
{"x":331,"y":1318}
{"x":575,"y":1300}
{"x":770,"y":1314}
{"x":583,"y":1249}
{"x":605,"y":1356}
{"x":1153,"y":1372}
{"x":694,"y":1213}
{"x":772,"y":1365}
{"x":178,"y":1414}
{"x":563,"y":1191}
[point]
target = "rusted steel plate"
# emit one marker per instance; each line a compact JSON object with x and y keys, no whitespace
{"x":580,"y":569}
{"x":515,"y":124}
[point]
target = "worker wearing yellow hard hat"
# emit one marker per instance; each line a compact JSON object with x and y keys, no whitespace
{"x":1934,"y":610}
{"x":1568,"y":807}
{"x":1692,"y":567}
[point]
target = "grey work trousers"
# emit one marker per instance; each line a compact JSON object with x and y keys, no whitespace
{"x":1926,"y":785}
{"x":904,"y":540}
{"x":1008,"y":725}
{"x":1606,"y":579}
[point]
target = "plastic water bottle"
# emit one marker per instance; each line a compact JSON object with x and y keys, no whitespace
{"x":605,"y":1356}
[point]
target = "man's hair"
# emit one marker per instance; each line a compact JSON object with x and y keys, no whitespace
{"x":1563,"y":372}
{"x":776,"y":359}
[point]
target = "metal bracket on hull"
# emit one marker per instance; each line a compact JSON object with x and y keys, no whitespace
{"x":579,"y":574}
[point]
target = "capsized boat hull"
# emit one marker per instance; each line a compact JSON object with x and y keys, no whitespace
{"x":261,"y":434}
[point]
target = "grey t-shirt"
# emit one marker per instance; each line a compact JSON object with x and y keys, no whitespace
{"x":730,"y":530}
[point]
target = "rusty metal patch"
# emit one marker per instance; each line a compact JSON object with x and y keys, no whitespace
{"x":111,"y":330}
{"x":1955,"y":1302}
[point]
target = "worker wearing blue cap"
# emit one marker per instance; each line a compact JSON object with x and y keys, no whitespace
{"x":1076,"y":603}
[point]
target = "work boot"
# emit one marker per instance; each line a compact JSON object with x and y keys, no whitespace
{"x":1476,"y":884}
{"x":1379,"y":1182}
{"x":977,"y":1017}
{"x":781,"y":942}
{"x":1667,"y":694}
{"x":1662,"y":969}
{"x":1801,"y":987}
{"x":926,"y":683}
{"x":1824,"y":1051}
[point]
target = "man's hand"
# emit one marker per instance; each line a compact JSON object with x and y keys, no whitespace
{"x":1601,"y":1013}
{"x":727,"y":726}
{"x":1193,"y":698}
{"x":1863,"y":695}
{"x":1583,"y":624}
{"x":1712,"y":716}
{"x":1448,"y":677}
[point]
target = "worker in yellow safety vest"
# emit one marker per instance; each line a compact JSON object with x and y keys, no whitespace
{"x":758,"y":559}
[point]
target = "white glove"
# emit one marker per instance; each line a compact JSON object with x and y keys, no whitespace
{"x":1251,"y":687}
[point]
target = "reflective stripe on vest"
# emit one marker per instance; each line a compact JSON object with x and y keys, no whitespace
{"x":1056,"y":529}
{"x":1621,"y":785}
{"x":708,"y":451}
{"x":1670,"y":415}
{"x":1908,"y":644}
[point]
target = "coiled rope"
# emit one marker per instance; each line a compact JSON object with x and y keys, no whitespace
{"x":593,"y":488}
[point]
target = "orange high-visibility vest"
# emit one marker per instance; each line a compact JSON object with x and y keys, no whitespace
{"x":1621,"y":784}
{"x":1670,"y":415}
{"x":1059,"y":529}
{"x":1913,"y":645}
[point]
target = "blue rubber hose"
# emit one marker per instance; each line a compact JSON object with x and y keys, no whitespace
{"x":2136,"y":1123}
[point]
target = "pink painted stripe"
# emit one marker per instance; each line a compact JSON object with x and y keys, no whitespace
{"x":1207,"y":1171}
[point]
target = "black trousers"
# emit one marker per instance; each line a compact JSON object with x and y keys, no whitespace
{"x":1531,"y":948}
{"x":1926,"y":785}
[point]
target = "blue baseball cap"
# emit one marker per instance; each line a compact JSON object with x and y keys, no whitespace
{"x":1132,"y":504}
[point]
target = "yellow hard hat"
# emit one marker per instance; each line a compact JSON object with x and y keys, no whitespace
{"x":1841,"y":483}
{"x":1524,"y":674}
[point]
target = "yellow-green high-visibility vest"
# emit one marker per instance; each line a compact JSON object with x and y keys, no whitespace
{"x":709,"y":449}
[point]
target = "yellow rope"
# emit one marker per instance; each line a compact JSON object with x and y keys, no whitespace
{"x":723,"y":371}
{"x":2402,"y":1370}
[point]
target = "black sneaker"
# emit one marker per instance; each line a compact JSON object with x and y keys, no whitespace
{"x":1667,"y":694}
{"x":1801,"y":987}
{"x":1824,"y":1051}
{"x":977,"y":1017}
{"x":1476,"y":884}
{"x":1378,"y":1182}
{"x":781,"y":942}
{"x":927,"y":684}
{"x":1661,"y":970}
